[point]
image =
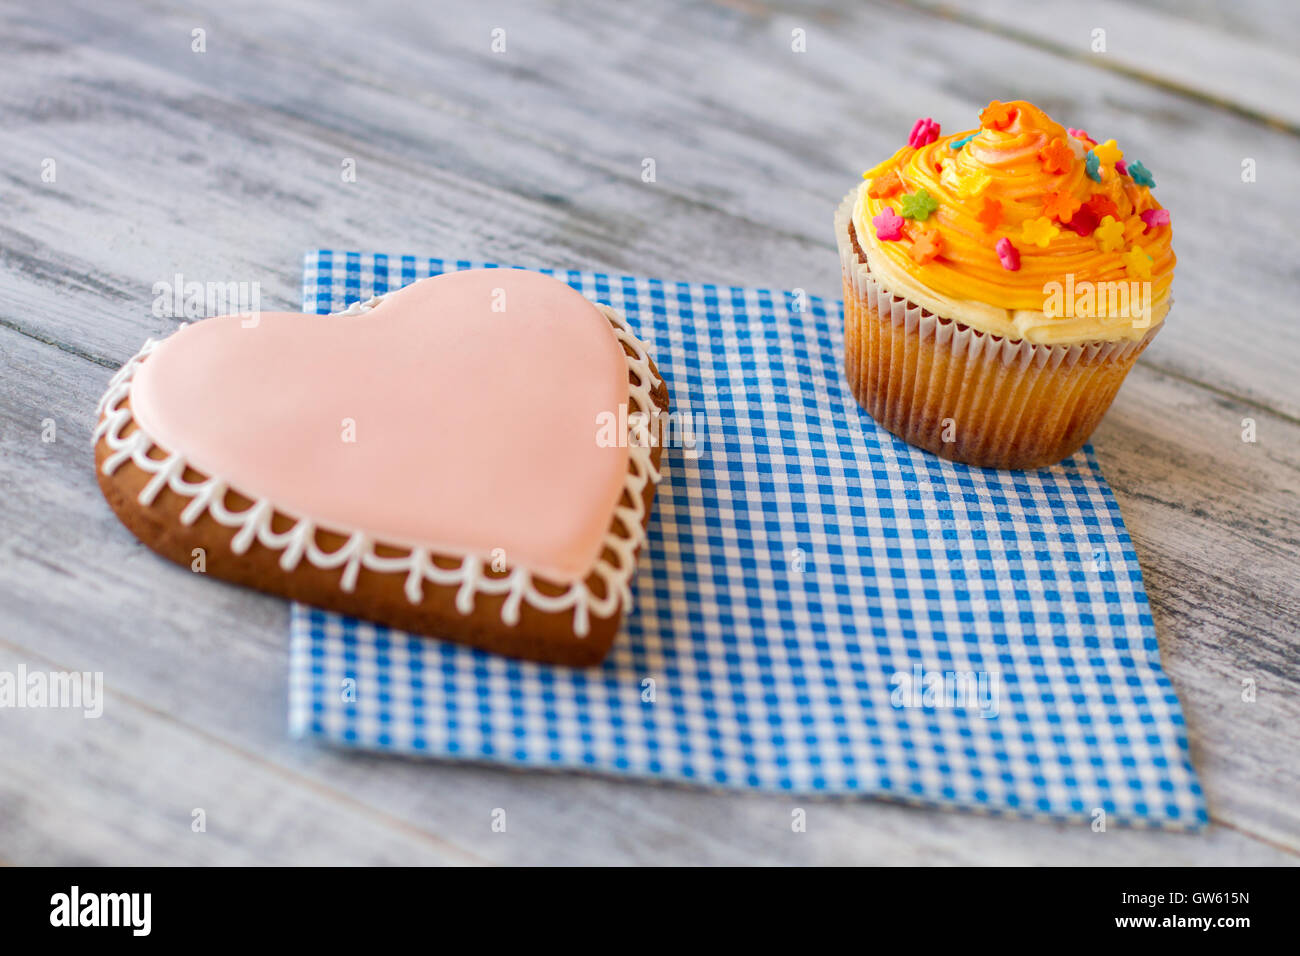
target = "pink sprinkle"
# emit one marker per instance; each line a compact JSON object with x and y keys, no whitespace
{"x":1081,"y":134}
{"x":1121,"y":167}
{"x":1155,"y":217}
{"x":1008,"y":255}
{"x":924,"y":132}
{"x":888,"y":226}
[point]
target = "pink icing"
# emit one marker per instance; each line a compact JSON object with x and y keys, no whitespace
{"x":475,"y":429}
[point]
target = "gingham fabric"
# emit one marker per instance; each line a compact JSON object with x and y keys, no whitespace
{"x":807,"y":577}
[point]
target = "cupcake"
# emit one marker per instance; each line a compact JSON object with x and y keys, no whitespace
{"x":999,"y":283}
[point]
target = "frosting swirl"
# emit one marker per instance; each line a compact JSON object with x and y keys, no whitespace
{"x":1008,"y":225}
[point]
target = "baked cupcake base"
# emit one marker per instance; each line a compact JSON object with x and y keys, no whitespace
{"x":962,"y":394}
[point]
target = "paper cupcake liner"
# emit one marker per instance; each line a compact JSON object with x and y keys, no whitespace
{"x":967,"y":395}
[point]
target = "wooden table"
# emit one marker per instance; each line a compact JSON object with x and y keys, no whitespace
{"x":225,"y":165}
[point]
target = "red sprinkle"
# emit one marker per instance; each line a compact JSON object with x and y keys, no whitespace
{"x":924,"y":132}
{"x":1008,"y":255}
{"x":1084,"y":221}
{"x":1154,"y":218}
{"x":1102,"y":206}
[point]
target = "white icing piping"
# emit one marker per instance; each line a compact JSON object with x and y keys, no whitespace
{"x":625,"y":534}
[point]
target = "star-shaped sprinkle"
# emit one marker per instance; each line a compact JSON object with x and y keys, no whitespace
{"x":1101,"y":206}
{"x":1110,"y":234}
{"x":926,"y":244}
{"x":997,"y":115}
{"x":885,"y":185}
{"x":1108,"y":152}
{"x":924,"y":132}
{"x":1137,"y":262}
{"x":1061,"y":205}
{"x":917,"y":205}
{"x":972,"y":183}
{"x":1121,"y":167}
{"x":959,"y":143}
{"x":1081,"y":134}
{"x":990,"y":214}
{"x":1141,"y":175}
{"x":1039,"y":231}
{"x":1008,"y":255}
{"x":1056,"y":156}
{"x":1155,"y":218}
{"x":888,"y":226}
{"x":1092,"y":165}
{"x":1084,"y":221}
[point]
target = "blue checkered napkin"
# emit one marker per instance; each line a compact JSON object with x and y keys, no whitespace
{"x":819,"y":607}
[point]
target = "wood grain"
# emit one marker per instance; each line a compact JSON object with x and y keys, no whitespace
{"x":1170,"y":46}
{"x":226,"y":166}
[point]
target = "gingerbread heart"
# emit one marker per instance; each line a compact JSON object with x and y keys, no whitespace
{"x":433,"y":459}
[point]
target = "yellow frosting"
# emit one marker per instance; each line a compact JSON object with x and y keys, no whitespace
{"x":1069,"y":288}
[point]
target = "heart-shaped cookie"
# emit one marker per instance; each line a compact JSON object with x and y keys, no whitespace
{"x":438,"y":459}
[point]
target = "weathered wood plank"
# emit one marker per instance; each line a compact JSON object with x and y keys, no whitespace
{"x":535,"y":155}
{"x":124,"y":788}
{"x":78,"y":589}
{"x":1239,"y":55}
{"x":1216,"y":523}
{"x":225,"y":166}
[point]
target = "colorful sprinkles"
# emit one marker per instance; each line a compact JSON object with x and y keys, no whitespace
{"x":1061,"y":206}
{"x":1040,"y":231}
{"x":1110,"y":234}
{"x":889,"y":227}
{"x":1092,"y":165}
{"x":1056,"y":156}
{"x":1084,"y":221}
{"x":1008,"y":255}
{"x":1108,"y":152}
{"x":972,"y":182}
{"x":924,"y":132}
{"x":926,"y":244}
{"x":1072,"y":206}
{"x":1102,"y":206}
{"x":990,"y":214}
{"x":917,"y":205}
{"x":884,"y":186}
{"x":1154,"y":218}
{"x":1137,"y":262}
{"x":997,"y":116}
{"x":1141,"y":175}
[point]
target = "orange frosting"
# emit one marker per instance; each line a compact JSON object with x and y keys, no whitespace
{"x":1021,"y":177}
